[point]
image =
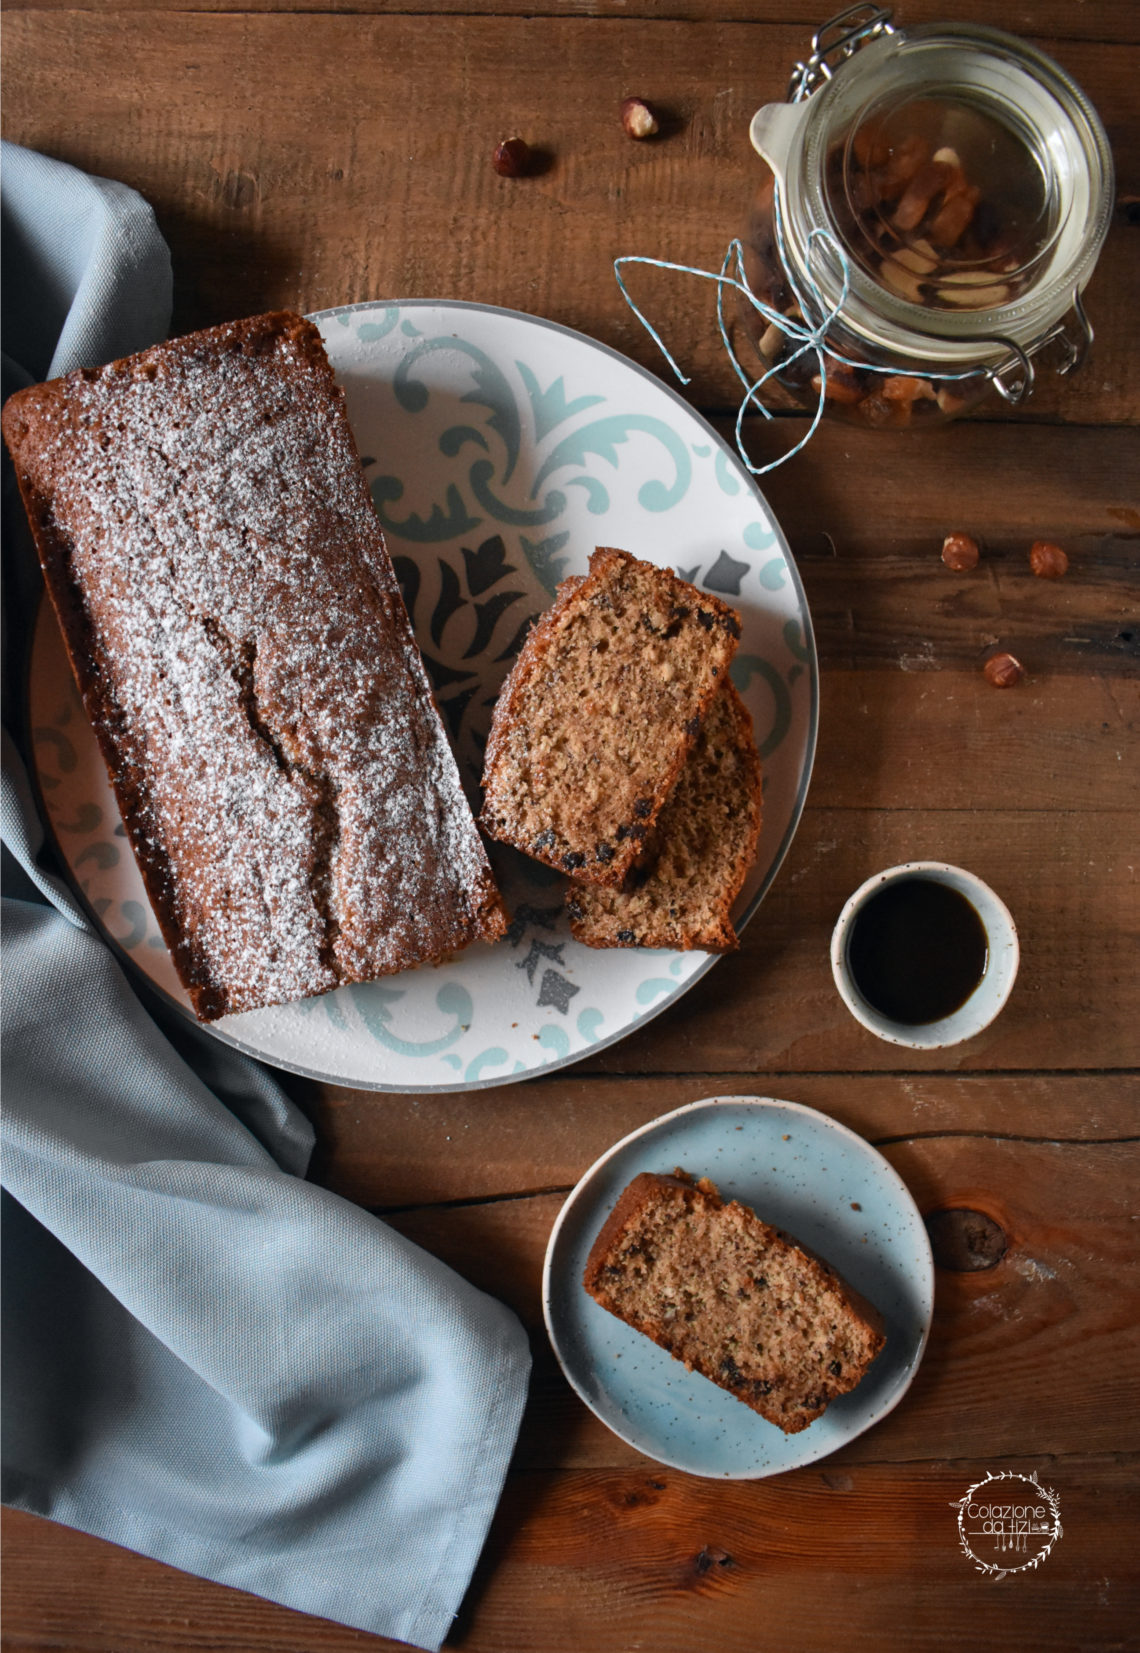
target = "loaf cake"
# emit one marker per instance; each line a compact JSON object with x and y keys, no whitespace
{"x":599,"y":713}
{"x":680,"y":894}
{"x":732,"y":1298}
{"x":245,"y":657}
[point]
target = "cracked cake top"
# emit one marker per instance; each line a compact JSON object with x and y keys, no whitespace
{"x":245,"y":656}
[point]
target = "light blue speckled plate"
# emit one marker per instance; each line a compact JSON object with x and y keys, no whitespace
{"x":799,"y":1171}
{"x":500,"y":450}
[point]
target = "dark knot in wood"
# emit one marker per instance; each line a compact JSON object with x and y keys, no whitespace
{"x":710,"y":1558}
{"x":643,"y":1493}
{"x":965,"y":1240}
{"x":237,"y":190}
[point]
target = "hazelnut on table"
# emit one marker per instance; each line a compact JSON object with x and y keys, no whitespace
{"x":960,"y":553}
{"x":512,"y":158}
{"x":1047,"y":560}
{"x":1003,"y":670}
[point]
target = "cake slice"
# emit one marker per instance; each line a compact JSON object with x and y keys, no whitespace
{"x":244,"y":654}
{"x":680,"y":894}
{"x":596,"y":718}
{"x":732,"y":1298}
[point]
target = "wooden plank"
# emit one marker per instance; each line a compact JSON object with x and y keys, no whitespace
{"x":393,"y":1151}
{"x":1055,"y":1323}
{"x":883,"y":492}
{"x":617,"y":1559}
{"x":387,"y":195}
{"x":916,"y":740}
{"x":1113,"y":20}
{"x":65,"y":1592}
{"x":865,"y":518}
{"x":811,"y":1561}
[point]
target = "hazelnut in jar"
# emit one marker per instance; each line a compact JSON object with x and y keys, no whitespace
{"x":933,"y":205}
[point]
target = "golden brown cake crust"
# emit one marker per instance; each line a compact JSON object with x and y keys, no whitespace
{"x":733,"y":1298}
{"x":680,"y":894}
{"x":599,"y":712}
{"x":245,"y":657}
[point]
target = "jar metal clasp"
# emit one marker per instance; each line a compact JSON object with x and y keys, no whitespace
{"x":1013,"y":378}
{"x":839,"y":39}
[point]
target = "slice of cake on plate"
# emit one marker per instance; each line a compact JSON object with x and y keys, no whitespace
{"x":599,"y":713}
{"x":695,"y":861}
{"x":732,"y":1298}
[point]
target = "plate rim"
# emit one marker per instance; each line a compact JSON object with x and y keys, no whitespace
{"x":380,"y":1086}
{"x":817,"y":1116}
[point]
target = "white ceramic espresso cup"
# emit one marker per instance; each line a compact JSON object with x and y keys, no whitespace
{"x":984,"y":1002}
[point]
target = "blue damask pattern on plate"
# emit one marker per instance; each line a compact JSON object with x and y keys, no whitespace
{"x":499,"y":451}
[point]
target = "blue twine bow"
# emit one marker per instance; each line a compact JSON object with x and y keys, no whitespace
{"x":809,"y":336}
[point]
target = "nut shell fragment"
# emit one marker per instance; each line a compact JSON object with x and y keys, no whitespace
{"x":638,"y":119}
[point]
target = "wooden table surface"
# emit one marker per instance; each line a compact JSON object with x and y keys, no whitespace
{"x":304,"y":156}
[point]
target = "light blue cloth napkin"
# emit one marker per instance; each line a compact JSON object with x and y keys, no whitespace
{"x":205,"y":1358}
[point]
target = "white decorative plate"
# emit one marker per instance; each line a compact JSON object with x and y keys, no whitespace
{"x":501,"y":450}
{"x":799,"y":1171}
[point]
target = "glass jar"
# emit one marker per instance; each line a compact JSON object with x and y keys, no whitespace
{"x":938,"y":196}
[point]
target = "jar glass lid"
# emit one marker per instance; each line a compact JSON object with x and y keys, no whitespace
{"x":969,"y":183}
{"x":943,"y":199}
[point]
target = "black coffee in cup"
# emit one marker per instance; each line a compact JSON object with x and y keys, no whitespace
{"x":917,"y":950}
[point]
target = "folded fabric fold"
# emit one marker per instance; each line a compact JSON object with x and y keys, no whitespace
{"x":207,"y":1359}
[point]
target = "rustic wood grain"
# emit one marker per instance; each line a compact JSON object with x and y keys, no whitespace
{"x":865,"y":519}
{"x":394,"y":1151}
{"x":1109,"y":20}
{"x":808,"y":1561}
{"x":949,"y":741}
{"x":390,"y":191}
{"x":648,"y":1557}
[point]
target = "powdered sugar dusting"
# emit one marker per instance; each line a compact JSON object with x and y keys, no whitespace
{"x":298,"y":811}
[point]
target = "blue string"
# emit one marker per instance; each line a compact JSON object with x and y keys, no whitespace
{"x":806,"y":336}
